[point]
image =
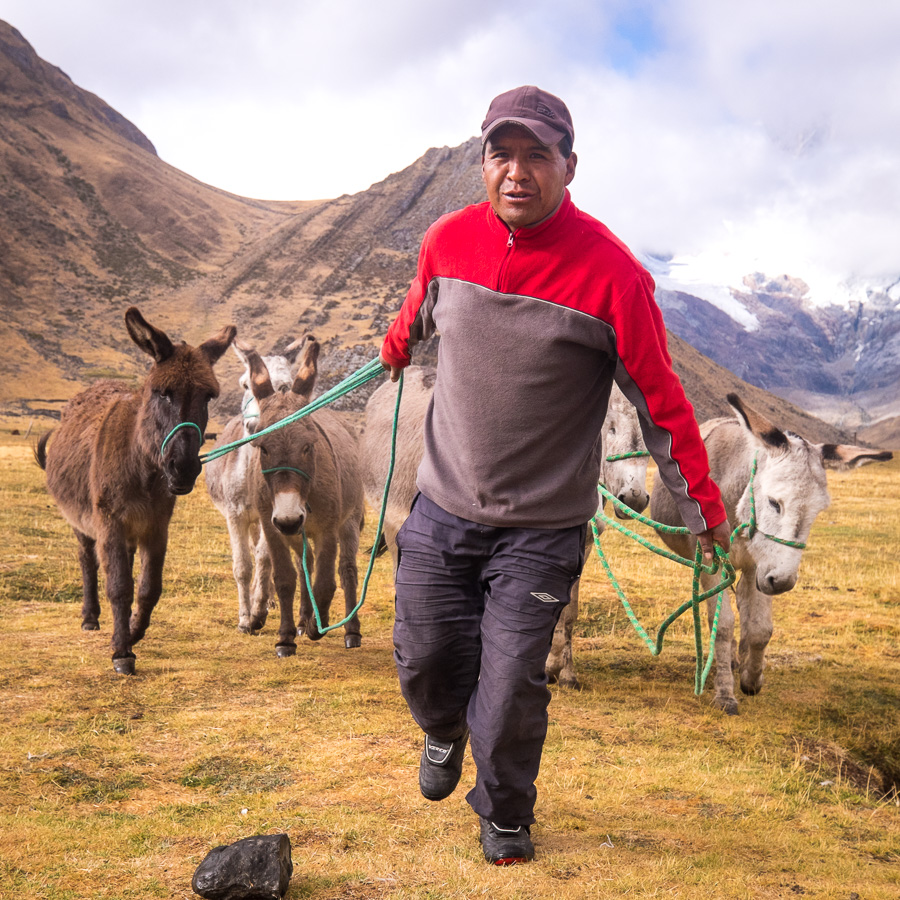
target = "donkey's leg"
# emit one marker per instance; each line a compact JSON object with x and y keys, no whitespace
{"x":349,"y":576}
{"x":324,"y":586}
{"x":153,"y":557}
{"x":285,"y":577}
{"x":261,"y":591}
{"x":90,"y":605}
{"x":755,"y":609}
{"x":241,"y":567}
{"x":116,"y":558}
{"x":560,"y":664}
{"x":724,"y":698}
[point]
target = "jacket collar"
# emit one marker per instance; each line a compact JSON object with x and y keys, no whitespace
{"x":532,"y":231}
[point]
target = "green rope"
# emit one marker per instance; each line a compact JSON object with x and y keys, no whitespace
{"x":246,"y":405}
{"x":287,"y":469}
{"x":171,"y":434}
{"x":751,"y":525}
{"x":721,"y":561}
{"x":369,"y":371}
{"x":634,"y":454}
{"x":378,"y":531}
{"x":697,"y":597}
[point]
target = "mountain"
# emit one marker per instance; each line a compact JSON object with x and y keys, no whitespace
{"x":840,"y":358}
{"x":92,"y":221}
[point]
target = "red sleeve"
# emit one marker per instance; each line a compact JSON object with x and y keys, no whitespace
{"x":672,"y":435}
{"x":395,"y":347}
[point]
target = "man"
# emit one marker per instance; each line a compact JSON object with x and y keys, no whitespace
{"x":539,"y":308}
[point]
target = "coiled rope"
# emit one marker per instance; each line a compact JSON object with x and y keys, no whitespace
{"x":721,"y":562}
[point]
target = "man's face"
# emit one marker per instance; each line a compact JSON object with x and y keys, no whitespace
{"x":525,"y":180}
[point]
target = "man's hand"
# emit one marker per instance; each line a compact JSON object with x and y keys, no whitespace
{"x":720,"y":535}
{"x":394,"y":370}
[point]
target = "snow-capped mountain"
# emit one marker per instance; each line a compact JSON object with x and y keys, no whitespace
{"x":832,"y":346}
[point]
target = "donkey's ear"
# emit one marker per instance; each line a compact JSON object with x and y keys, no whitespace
{"x":308,"y":369}
{"x":845,"y":456}
{"x":293,"y":349}
{"x":240,"y":351}
{"x":150,"y":339}
{"x":213,"y":348}
{"x":260,"y":382}
{"x":758,"y":425}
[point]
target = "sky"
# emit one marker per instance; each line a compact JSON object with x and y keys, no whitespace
{"x":724,"y":138}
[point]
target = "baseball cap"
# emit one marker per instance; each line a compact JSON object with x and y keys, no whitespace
{"x":543,"y":114}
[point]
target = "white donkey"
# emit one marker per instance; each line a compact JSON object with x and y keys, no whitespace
{"x":774,"y":481}
{"x":228,"y":479}
{"x":623,"y":474}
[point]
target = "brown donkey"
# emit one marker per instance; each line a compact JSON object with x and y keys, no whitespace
{"x":117,"y":462}
{"x":306,"y":484}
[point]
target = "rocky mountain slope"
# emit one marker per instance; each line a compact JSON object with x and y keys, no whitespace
{"x":840,"y":361}
{"x":92,"y":221}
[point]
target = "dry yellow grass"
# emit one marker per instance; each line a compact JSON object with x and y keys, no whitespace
{"x":114,"y":787}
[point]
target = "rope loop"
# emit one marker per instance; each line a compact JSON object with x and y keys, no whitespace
{"x":171,"y":434}
{"x":720,"y":563}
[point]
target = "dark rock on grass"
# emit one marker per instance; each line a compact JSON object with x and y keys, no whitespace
{"x":255,"y":868}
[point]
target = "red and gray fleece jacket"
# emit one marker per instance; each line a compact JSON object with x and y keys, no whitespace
{"x":534,"y":326}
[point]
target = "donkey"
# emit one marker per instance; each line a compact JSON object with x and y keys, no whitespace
{"x":788,"y":491}
{"x":624,"y":478}
{"x":115,"y":466}
{"x":228,"y":483}
{"x":306,"y":486}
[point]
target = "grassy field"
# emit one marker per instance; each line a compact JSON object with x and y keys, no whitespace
{"x":117,"y":787}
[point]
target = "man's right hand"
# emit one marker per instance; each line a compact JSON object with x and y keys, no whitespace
{"x":394,"y":370}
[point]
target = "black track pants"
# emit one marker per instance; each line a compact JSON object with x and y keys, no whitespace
{"x":476,"y":606}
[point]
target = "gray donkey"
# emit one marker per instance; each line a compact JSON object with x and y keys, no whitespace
{"x":228,"y":480}
{"x":307,"y":490}
{"x":777,"y":480}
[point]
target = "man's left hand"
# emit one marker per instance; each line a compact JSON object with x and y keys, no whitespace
{"x":720,"y":535}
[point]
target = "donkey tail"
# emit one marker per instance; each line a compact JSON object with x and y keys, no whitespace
{"x":40,"y":450}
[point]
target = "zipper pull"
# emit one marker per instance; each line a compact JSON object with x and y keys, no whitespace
{"x":509,"y":242}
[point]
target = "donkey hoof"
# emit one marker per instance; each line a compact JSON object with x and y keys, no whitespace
{"x":90,"y":626}
{"x":352,"y":640}
{"x":751,"y":690}
{"x":728,"y":705}
{"x":244,"y":629}
{"x":124,"y":665}
{"x":283,"y":651}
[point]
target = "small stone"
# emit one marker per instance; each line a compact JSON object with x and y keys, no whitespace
{"x":255,"y":868}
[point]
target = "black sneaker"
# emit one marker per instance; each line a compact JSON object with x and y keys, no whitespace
{"x":506,"y":845}
{"x":441,"y":766}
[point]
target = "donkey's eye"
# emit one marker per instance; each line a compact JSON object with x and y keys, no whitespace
{"x":612,"y":429}
{"x":775,"y":505}
{"x":263,"y":451}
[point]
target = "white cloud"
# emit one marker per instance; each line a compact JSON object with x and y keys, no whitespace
{"x":766,"y":132}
